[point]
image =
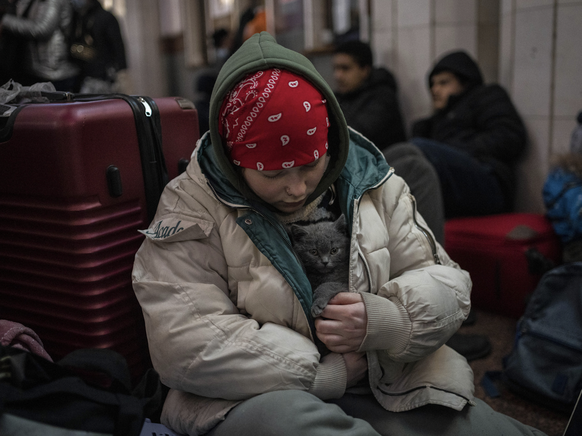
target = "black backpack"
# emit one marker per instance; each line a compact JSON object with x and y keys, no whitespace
{"x":88,"y":390}
{"x":545,"y":364}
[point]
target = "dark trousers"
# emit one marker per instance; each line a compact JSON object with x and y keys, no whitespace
{"x":469,"y":187}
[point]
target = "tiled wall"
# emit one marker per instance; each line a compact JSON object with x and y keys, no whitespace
{"x":532,"y":47}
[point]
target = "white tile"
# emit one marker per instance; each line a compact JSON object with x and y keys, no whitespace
{"x":488,"y":11}
{"x":459,"y":37}
{"x":488,"y":51}
{"x":506,"y":60}
{"x":533,"y":61}
{"x":568,"y":2}
{"x":533,"y":168}
{"x":383,"y":49}
{"x":568,"y":67}
{"x":507,"y":6}
{"x":524,"y":4}
{"x":455,"y":11}
{"x":413,"y":12}
{"x":412,"y":64}
{"x":561,"y":134}
{"x":381,"y":11}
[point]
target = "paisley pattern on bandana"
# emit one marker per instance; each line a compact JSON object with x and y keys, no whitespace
{"x":274,"y":119}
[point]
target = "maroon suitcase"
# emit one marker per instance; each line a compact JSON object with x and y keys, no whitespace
{"x":505,"y":254}
{"x":77,"y":180}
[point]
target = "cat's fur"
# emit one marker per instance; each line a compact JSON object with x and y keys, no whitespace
{"x":324,"y":250}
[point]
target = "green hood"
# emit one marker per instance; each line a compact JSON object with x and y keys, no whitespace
{"x":260,"y":52}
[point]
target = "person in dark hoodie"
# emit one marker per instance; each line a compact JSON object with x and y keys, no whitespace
{"x":473,"y":138}
{"x":367,"y":95}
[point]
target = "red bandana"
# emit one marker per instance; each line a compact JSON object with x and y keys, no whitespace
{"x":272,"y":120}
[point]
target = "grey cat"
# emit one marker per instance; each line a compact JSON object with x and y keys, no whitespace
{"x":324,"y":250}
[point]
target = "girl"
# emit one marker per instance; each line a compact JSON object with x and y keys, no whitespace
{"x":226,"y":302}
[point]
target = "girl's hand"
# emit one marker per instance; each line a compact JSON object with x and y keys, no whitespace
{"x":343,"y":322}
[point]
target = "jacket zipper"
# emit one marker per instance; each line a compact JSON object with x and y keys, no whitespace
{"x":425,"y":232}
{"x":355,"y":214}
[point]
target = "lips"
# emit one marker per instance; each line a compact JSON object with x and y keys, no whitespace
{"x":294,"y":204}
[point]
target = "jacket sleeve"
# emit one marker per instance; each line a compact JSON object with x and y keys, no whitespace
{"x":38,"y":28}
{"x":378,"y":118}
{"x":200,"y":342}
{"x":498,"y":130}
{"x":423,"y":303}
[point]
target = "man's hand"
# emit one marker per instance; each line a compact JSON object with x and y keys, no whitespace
{"x":343,"y":322}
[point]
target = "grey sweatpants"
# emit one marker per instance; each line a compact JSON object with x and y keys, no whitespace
{"x":297,"y":413}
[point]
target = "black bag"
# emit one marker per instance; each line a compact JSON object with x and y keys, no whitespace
{"x":545,"y":364}
{"x":82,"y":47}
{"x":88,"y":390}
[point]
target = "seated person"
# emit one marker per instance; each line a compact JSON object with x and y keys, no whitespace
{"x":369,"y":101}
{"x":367,"y":95}
{"x":473,"y":138}
{"x":226,"y":301}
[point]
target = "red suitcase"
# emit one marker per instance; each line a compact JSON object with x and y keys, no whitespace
{"x":505,"y":254}
{"x":77,"y":180}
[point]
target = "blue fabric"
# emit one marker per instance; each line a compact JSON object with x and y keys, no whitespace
{"x":469,"y":187}
{"x":562,"y":195}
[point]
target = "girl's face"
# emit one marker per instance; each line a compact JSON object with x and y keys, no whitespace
{"x":287,"y":189}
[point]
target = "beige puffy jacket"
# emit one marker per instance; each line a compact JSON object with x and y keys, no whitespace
{"x":226,"y":302}
{"x":223,"y":323}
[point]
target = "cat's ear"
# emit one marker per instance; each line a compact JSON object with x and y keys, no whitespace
{"x":297,"y":232}
{"x":340,"y":224}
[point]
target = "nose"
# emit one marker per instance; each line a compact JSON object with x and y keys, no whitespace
{"x":296,"y":186}
{"x":338,"y":75}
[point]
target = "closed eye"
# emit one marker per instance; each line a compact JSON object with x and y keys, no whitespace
{"x":271,"y":175}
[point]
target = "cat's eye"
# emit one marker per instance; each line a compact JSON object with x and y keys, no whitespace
{"x":333,"y":250}
{"x":313,"y":252}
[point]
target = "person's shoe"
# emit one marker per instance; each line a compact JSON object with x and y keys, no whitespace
{"x":471,"y":347}
{"x":471,"y":319}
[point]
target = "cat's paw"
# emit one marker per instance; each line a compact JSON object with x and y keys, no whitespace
{"x":317,"y":307}
{"x":322,"y":295}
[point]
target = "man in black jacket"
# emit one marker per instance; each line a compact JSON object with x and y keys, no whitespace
{"x":473,"y":138}
{"x":367,"y":95}
{"x":369,"y":101}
